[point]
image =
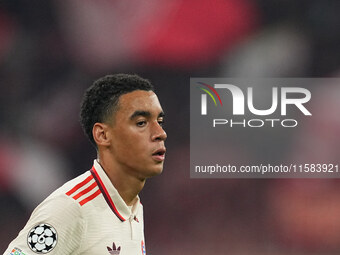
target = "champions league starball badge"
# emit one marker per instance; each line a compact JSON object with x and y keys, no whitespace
{"x":42,"y":238}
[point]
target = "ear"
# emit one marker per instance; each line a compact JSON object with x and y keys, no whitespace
{"x":101,"y":134}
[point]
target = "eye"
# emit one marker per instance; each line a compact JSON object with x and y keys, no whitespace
{"x":161,"y":122}
{"x":141,"y":123}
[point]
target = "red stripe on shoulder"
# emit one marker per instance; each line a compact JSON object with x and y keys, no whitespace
{"x":83,"y":192}
{"x":89,"y":198}
{"x":79,"y":185}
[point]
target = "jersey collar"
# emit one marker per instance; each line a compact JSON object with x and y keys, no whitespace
{"x":111,"y":195}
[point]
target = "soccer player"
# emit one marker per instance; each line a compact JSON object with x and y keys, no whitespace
{"x":99,"y":212}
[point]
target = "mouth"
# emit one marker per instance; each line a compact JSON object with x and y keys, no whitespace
{"x":159,"y":155}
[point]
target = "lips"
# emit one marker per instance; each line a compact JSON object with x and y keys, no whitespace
{"x":159,"y":155}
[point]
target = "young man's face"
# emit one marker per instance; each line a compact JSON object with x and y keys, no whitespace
{"x":137,"y":134}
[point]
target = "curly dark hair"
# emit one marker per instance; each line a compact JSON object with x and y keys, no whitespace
{"x":101,"y":99}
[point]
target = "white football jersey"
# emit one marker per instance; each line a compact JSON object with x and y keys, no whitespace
{"x":85,"y":216}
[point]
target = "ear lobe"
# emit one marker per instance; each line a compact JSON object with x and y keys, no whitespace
{"x":101,"y":134}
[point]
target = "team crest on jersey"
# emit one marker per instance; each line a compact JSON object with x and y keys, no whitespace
{"x":42,"y":238}
{"x":114,"y":250}
{"x":143,"y":248}
{"x":17,"y":251}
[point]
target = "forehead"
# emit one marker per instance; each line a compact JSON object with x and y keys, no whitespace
{"x":139,"y":100}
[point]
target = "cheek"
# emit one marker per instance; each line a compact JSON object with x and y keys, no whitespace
{"x":128,"y":142}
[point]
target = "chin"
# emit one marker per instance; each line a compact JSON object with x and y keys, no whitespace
{"x":157,"y":170}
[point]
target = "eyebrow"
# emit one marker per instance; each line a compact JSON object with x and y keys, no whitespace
{"x":145,"y":114}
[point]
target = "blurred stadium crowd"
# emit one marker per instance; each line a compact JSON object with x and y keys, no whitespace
{"x":51,"y":51}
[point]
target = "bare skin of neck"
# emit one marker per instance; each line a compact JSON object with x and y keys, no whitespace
{"x":127,"y":184}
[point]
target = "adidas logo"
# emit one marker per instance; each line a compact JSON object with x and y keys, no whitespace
{"x":113,"y":251}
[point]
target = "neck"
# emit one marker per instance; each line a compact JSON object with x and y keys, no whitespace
{"x":127,"y":185}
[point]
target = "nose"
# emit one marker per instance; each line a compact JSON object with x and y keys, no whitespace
{"x":158,"y":133}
